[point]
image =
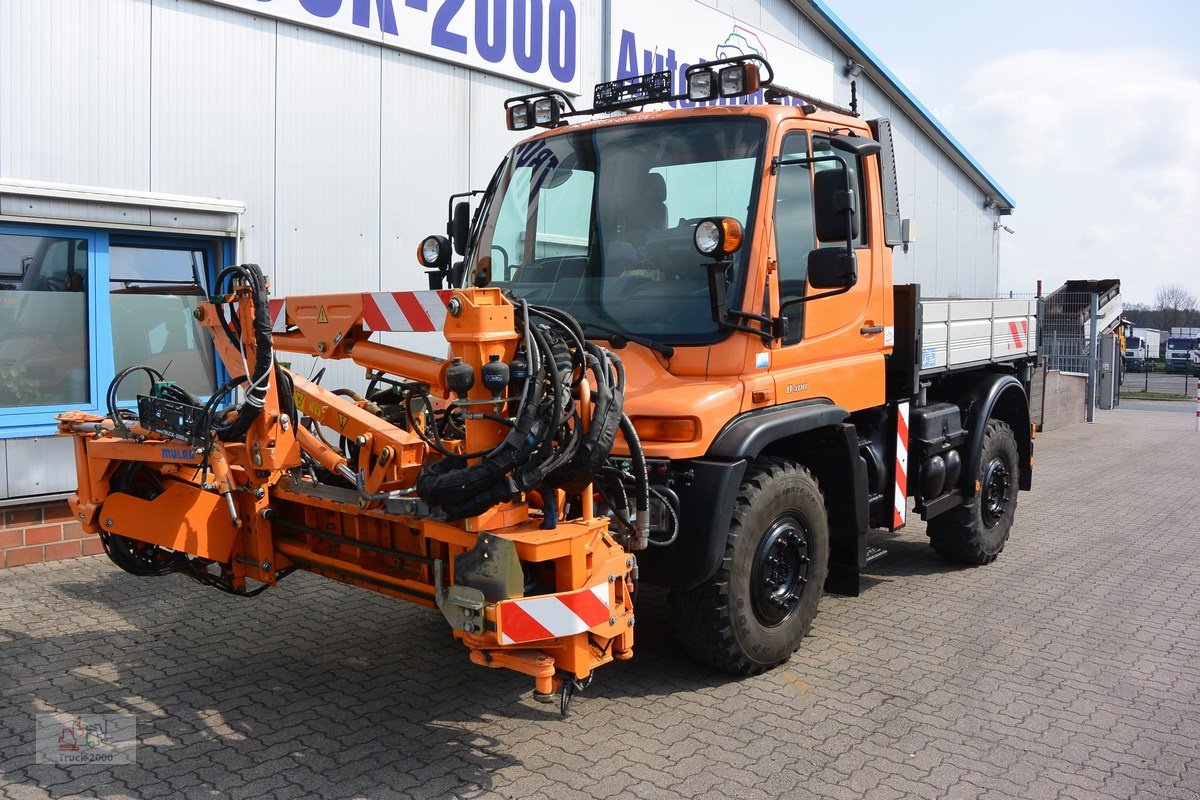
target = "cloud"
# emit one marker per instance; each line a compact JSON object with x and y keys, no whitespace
{"x":1102,"y":153}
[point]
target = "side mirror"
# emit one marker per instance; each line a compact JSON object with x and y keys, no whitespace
{"x":460,"y":227}
{"x":832,"y":268}
{"x":856,"y":145}
{"x":835,"y":208}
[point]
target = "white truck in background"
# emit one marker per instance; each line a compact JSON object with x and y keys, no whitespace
{"x":1183,"y":351}
{"x":1142,"y":349}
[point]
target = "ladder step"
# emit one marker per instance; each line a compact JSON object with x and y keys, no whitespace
{"x":875,"y":553}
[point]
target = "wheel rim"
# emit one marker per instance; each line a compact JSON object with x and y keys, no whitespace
{"x":781,"y":569}
{"x":997,"y":492}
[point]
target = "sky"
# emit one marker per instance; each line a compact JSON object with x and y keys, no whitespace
{"x":1087,"y":112}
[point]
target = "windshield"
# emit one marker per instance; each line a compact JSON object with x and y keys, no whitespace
{"x":1133,"y":343}
{"x":1179,"y":344}
{"x":599,"y":223}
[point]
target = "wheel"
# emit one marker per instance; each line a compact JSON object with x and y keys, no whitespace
{"x":133,"y":556}
{"x":754,"y":612}
{"x":977,"y":533}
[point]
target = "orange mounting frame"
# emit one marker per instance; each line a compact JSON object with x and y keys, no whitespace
{"x":250,"y":510}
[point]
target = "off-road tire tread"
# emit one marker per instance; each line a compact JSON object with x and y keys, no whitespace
{"x":704,"y":613}
{"x":956,"y":535}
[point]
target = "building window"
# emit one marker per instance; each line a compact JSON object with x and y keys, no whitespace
{"x":153,"y":292}
{"x":77,"y":305}
{"x":44,"y":357}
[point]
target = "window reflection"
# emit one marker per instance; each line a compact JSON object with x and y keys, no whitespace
{"x":43,"y":321}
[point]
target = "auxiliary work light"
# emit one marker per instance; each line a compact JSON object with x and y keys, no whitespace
{"x":545,"y":111}
{"x":434,"y":252}
{"x":738,"y":79}
{"x":702,"y":85}
{"x":718,"y":236}
{"x":520,"y":117}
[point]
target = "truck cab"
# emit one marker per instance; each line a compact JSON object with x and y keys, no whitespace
{"x":1137,"y":355}
{"x":738,"y":255}
{"x":1183,"y":355}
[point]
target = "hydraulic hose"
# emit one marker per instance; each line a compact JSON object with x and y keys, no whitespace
{"x":642,"y":482}
{"x":235,"y":430}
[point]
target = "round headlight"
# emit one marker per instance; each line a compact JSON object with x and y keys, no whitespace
{"x":434,"y":252}
{"x":708,"y":237}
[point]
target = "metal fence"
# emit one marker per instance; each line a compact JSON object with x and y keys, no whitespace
{"x":1065,"y":326}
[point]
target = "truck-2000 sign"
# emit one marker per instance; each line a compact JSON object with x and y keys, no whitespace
{"x":536,"y":41}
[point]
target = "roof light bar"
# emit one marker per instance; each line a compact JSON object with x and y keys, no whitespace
{"x":737,"y":76}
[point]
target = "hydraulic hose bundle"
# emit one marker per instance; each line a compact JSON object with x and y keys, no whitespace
{"x":233,"y":429}
{"x":546,"y":446}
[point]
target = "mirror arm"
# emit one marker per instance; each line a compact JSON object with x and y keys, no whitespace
{"x":795,"y":301}
{"x":721,"y":314}
{"x":773,"y":328}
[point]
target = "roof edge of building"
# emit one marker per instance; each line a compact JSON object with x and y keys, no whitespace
{"x":832,"y":26}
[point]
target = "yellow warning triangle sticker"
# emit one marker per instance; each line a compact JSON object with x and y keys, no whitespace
{"x":342,"y":420}
{"x":322,"y":316}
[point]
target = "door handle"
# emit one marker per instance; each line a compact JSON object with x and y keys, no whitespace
{"x":870,"y":330}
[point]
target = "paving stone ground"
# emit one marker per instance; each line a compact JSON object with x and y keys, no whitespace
{"x":1068,"y":669}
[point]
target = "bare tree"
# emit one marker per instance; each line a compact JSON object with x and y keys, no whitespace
{"x":1176,"y":306}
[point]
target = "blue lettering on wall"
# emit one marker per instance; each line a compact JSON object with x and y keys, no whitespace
{"x":387,"y":15}
{"x":627,"y":56}
{"x":532,"y":35}
{"x":490,"y":44}
{"x":527,"y":35}
{"x":322,"y":8}
{"x":562,"y":51}
{"x":442,"y":37}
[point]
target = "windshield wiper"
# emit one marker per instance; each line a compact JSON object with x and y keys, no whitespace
{"x":619,"y":338}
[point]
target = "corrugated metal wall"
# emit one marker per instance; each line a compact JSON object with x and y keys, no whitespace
{"x":343,"y":151}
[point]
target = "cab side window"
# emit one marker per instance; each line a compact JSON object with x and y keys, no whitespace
{"x":794,"y":234}
{"x":821,"y":147}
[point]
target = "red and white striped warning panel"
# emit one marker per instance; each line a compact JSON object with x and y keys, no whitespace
{"x":901,"y":504}
{"x":551,"y":616}
{"x":278,"y":316}
{"x":1019,"y":330}
{"x":406,"y":312}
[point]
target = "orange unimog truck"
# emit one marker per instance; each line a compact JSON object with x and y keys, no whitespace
{"x":677,"y":356}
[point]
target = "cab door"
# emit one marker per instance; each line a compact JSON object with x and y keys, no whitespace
{"x":834,"y":346}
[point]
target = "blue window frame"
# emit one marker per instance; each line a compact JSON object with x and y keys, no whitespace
{"x":37,"y":419}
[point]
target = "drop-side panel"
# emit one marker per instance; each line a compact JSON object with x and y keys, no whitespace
{"x":962,"y":333}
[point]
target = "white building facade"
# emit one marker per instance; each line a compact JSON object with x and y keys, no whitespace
{"x":146,"y":144}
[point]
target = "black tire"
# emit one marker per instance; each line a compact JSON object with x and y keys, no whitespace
{"x":977,"y":533}
{"x":753,"y":614}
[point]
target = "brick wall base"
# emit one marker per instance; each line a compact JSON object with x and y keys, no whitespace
{"x":42,"y":532}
